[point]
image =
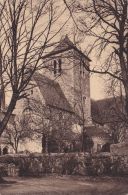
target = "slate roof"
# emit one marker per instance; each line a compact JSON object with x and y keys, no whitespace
{"x":65,"y":45}
{"x":97,"y":132}
{"x":108,"y":110}
{"x":52,"y":92}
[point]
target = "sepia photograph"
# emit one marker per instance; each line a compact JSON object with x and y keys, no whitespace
{"x":63,"y":97}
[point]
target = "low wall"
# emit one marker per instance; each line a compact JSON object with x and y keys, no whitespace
{"x":64,"y":164}
{"x":119,"y":149}
{"x":39,"y":164}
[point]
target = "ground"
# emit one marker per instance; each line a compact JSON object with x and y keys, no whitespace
{"x":65,"y":185}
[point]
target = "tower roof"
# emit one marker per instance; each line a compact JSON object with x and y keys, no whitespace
{"x":65,"y":45}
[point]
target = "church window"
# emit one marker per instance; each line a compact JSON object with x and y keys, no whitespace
{"x":55,"y":67}
{"x":80,"y":67}
{"x":84,"y":99}
{"x":83,"y":72}
{"x":31,"y":91}
{"x":59,"y":66}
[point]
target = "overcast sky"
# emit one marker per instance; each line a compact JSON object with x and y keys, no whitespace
{"x":97,"y":87}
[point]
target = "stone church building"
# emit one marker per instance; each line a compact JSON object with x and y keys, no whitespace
{"x":63,"y":86}
{"x":64,"y":83}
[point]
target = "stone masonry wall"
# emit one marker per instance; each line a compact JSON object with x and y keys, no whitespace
{"x":66,"y":79}
{"x":39,"y":164}
{"x":64,"y":164}
{"x":82,"y":87}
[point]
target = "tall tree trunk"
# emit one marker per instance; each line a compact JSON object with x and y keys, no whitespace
{"x":5,"y":120}
{"x":126,"y":97}
{"x":43,"y":143}
{"x":8,"y":114}
{"x":82,"y":139}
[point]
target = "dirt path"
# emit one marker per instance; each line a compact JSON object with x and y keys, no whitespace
{"x":65,"y":186}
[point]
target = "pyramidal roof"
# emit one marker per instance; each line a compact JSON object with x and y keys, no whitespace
{"x":65,"y":45}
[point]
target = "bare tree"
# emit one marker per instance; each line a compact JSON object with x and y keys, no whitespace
{"x":108,"y":114}
{"x":16,"y":132}
{"x":50,"y":124}
{"x":62,"y":131}
{"x":25,"y":34}
{"x":105,"y":22}
{"x":39,"y":117}
{"x":118,"y":132}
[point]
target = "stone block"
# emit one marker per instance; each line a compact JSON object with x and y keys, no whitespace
{"x":119,"y":149}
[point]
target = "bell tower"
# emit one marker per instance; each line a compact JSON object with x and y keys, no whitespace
{"x":69,"y":67}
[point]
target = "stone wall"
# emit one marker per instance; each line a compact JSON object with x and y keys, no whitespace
{"x":119,"y":159}
{"x":64,"y":164}
{"x":38,"y":164}
{"x":119,"y":165}
{"x":119,"y":149}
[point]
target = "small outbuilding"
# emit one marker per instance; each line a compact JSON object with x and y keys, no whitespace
{"x":101,"y":139}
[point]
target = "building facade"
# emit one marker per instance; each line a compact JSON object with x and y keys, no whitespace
{"x":63,"y":85}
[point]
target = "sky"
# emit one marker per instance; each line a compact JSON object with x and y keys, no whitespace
{"x":97,"y":87}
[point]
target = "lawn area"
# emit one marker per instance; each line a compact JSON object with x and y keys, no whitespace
{"x":65,"y":185}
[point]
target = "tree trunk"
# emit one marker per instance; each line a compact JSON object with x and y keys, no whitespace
{"x":16,"y":150}
{"x":43,"y":143}
{"x":16,"y":145}
{"x":82,"y":139}
{"x":5,"y":120}
{"x":125,"y":84}
{"x":8,"y":114}
{"x":126,"y":98}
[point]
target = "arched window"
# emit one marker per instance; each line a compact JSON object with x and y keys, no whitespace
{"x":83,"y":72}
{"x":84,"y":99}
{"x":80,"y":67}
{"x":83,"y":69}
{"x":59,"y":66}
{"x":55,"y":67}
{"x":31,"y":91}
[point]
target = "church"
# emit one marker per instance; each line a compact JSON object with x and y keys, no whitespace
{"x":64,"y":82}
{"x":60,"y":94}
